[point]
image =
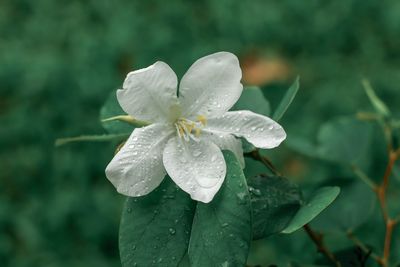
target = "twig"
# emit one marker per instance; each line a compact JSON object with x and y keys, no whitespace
{"x":319,"y":243}
{"x":381,"y":193}
{"x":357,"y":171}
{"x":255,"y":154}
{"x":363,"y":247}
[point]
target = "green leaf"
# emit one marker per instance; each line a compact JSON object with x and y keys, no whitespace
{"x":321,"y":199}
{"x":221,"y":231}
{"x":92,"y":138}
{"x":376,"y":102}
{"x":274,"y":200}
{"x":253,"y":99}
{"x":287,"y":100}
{"x":351,"y":209}
{"x":344,"y":140}
{"x":155,"y":229}
{"x":111,"y":108}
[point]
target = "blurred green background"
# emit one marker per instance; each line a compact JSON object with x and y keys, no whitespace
{"x":59,"y":60}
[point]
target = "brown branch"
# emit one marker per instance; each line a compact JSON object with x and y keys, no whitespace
{"x":381,"y":191}
{"x":319,"y":243}
{"x":256,"y":155}
{"x":363,"y":247}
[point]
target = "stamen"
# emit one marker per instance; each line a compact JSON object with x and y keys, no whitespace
{"x":202,"y":119}
{"x":187,"y":129}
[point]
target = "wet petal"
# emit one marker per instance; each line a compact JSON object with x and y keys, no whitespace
{"x":138,"y":168}
{"x":226,"y":142}
{"x":149,"y":94}
{"x":259,"y":130}
{"x":211,"y":86}
{"x":198,"y":168}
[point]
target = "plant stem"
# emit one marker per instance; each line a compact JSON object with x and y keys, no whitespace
{"x":363,"y":247}
{"x":381,"y":191}
{"x":319,"y":243}
{"x":255,"y":154}
{"x":357,"y":171}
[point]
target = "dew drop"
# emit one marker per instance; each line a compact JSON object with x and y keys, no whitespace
{"x":242,"y":198}
{"x":196,"y":153}
{"x":172,"y":231}
{"x":129,"y":210}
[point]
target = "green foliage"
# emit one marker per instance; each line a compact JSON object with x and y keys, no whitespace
{"x":155,"y":229}
{"x":341,"y":216}
{"x":62,"y":59}
{"x":287,"y":100}
{"x":221,"y":231}
{"x":319,"y":201}
{"x":275,"y":201}
{"x":342,"y":140}
{"x":379,"y":106}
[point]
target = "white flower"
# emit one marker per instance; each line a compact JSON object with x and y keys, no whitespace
{"x":187,"y":131}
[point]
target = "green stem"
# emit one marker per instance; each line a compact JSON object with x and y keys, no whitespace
{"x":128,"y":119}
{"x":91,"y":138}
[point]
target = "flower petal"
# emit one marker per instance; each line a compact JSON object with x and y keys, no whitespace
{"x":259,"y":130}
{"x":137,"y":168}
{"x":228,"y":142}
{"x":211,"y":86}
{"x":149,"y":94}
{"x":197,"y":167}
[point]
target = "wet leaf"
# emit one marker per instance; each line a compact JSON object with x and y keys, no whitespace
{"x":221,"y":231}
{"x":155,"y":229}
{"x":274,"y":201}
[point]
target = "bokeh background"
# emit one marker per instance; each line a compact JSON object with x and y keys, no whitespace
{"x":59,"y":61}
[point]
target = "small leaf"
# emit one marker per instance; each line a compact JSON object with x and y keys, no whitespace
{"x":92,"y":138}
{"x":221,"y":231}
{"x":253,"y":99}
{"x":376,"y":102}
{"x":321,"y":199}
{"x":110,"y":109}
{"x":155,"y":228}
{"x":274,"y":201}
{"x":287,"y":100}
{"x":351,"y":209}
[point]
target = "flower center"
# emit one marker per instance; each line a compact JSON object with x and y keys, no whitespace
{"x":187,"y":129}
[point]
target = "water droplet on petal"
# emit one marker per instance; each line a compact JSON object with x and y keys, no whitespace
{"x":196,"y":153}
